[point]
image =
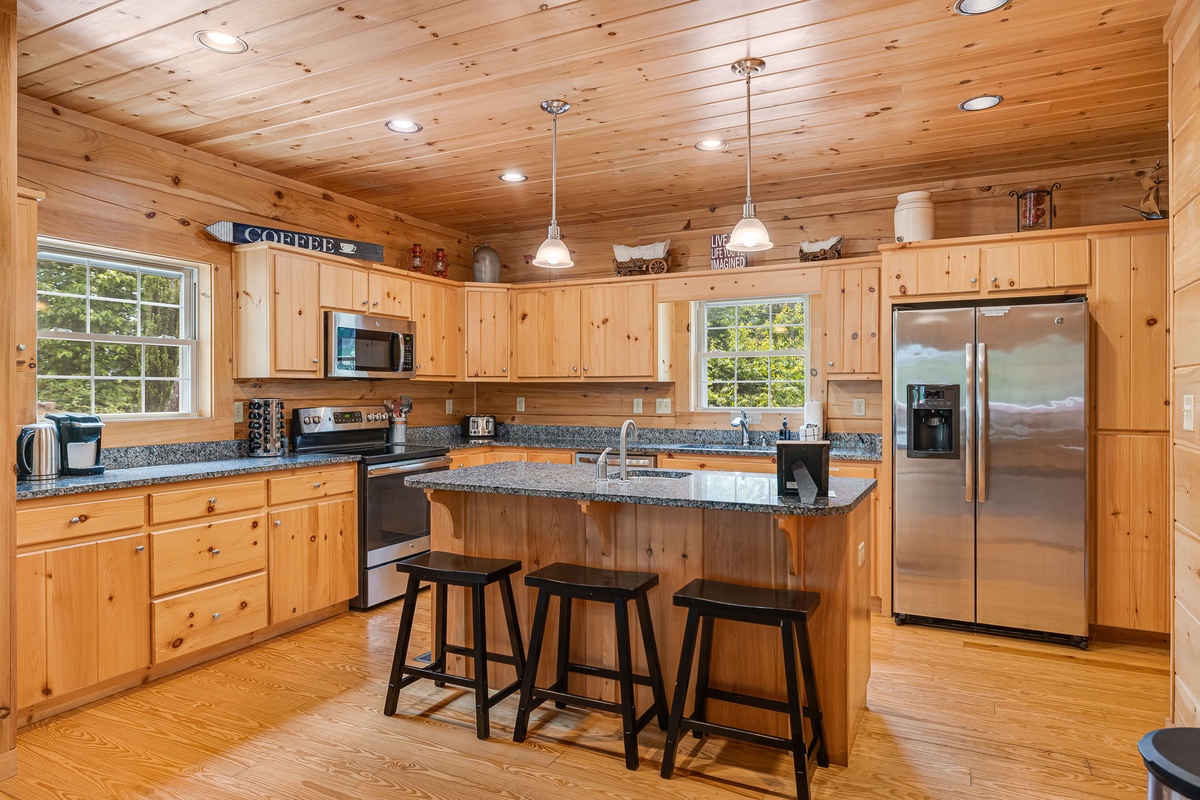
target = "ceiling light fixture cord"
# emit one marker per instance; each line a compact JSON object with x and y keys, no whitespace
{"x":553,"y":253}
{"x":554,"y":170}
{"x":749,"y":138}
{"x":749,"y":235}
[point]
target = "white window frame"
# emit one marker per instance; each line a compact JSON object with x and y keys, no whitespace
{"x":191,"y":360}
{"x":700,"y":353}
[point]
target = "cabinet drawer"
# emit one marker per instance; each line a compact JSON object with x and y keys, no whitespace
{"x":185,"y":623}
{"x":200,"y":554}
{"x":312,"y":486}
{"x":39,"y":525}
{"x":851,"y":471}
{"x":206,"y":502}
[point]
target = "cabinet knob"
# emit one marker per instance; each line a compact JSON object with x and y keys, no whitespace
{"x":831,"y":363}
{"x":76,"y":520}
{"x":365,"y":302}
{"x":585,"y":369}
{"x":217,"y":615}
{"x":416,"y":366}
{"x":216,"y":551}
{"x":574,"y":369}
{"x":21,"y":348}
{"x":212,"y":501}
{"x":504,"y":369}
{"x":278,"y":522}
{"x":141,"y":548}
{"x":993,"y":279}
{"x":314,"y":361}
{"x":374,"y":304}
{"x":974,"y":280}
{"x":318,"y":485}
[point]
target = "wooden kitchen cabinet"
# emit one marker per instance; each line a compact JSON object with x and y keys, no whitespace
{"x":364,"y":291}
{"x":438,"y":314}
{"x":1036,"y":265}
{"x":314,"y":557}
{"x":1130,"y":301}
{"x":468,"y":458}
{"x":727,"y":463}
{"x":389,"y":295}
{"x":85,"y":616}
{"x":933,"y":270}
{"x":23,"y":312}
{"x":852,"y":307}
{"x":278,"y":317}
{"x":601,"y":331}
{"x":486,"y":335}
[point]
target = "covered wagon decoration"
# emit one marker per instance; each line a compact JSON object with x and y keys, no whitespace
{"x":651,"y":258}
{"x":824,"y":250}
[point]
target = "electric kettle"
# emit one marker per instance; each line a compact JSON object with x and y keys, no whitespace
{"x":38,"y":457}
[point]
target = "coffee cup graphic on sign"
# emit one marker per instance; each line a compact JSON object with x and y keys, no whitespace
{"x":347,"y":247}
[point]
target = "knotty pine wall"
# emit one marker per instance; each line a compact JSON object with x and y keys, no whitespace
{"x":1183,"y":33}
{"x":108,"y":185}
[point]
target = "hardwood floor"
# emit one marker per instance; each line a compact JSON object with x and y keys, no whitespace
{"x":952,"y":715}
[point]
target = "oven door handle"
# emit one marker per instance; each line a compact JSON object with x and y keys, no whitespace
{"x":380,"y":470}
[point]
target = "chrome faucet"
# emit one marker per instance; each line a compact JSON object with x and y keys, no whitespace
{"x":626,"y":426}
{"x":602,"y":465}
{"x":744,"y":424}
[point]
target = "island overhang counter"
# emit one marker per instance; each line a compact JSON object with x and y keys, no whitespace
{"x":729,"y":526}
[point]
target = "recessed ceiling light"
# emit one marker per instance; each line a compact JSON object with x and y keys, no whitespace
{"x":221,"y":42}
{"x":709,"y":145}
{"x":980,"y":103}
{"x":969,"y":8}
{"x":512,"y":177}
{"x":403,"y":126}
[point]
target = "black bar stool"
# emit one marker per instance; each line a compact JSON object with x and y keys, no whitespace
{"x":571,"y":582}
{"x":707,"y":600}
{"x":1172,"y":757}
{"x":452,"y":569}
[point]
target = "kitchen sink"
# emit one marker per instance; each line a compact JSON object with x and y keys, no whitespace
{"x":658,"y":473}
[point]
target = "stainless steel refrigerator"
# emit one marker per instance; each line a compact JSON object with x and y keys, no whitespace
{"x":990,"y":490}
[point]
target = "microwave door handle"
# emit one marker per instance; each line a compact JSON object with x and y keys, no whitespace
{"x":396,"y":352}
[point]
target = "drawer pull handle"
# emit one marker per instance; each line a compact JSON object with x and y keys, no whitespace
{"x":217,"y":615}
{"x":216,"y":551}
{"x":79,"y":519}
{"x":212,"y":501}
{"x":278,"y":522}
{"x":141,"y":548}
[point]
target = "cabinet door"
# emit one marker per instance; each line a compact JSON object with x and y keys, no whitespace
{"x":962,"y":265}
{"x":122,"y":605}
{"x":344,"y":288}
{"x":439,"y":330}
{"x":1071,"y":263}
{"x":24,"y":311}
{"x":296,"y":318}
{"x":33,"y":682}
{"x":71,"y":618}
{"x":851,"y":320}
{"x":901,"y":267}
{"x":487,"y":324}
{"x":390,"y":295}
{"x":333,"y":553}
{"x":617,"y":331}
{"x":1002,"y":266}
{"x":546,"y":325}
{"x":288,"y":563}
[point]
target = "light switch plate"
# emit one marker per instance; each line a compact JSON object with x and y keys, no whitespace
{"x":662,"y":405}
{"x":239,"y":411}
{"x":449,"y":406}
{"x":860,"y":407}
{"x":1189,"y":412}
{"x":637,"y":405}
{"x":520,"y":404}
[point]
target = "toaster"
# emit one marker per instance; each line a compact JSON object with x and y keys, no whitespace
{"x":478,"y":426}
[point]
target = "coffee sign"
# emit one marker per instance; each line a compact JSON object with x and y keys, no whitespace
{"x":723,"y":258}
{"x":237,"y":233}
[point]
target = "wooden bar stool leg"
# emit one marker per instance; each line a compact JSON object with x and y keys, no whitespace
{"x":479,"y":648}
{"x":564,"y":647}
{"x":439,"y":630}
{"x":795,"y":714}
{"x":686,"y":652}
{"x":700,"y":709}
{"x":812,"y":708}
{"x":514,"y":628}
{"x":402,"y":638}
{"x":653,"y":667}
{"x":536,"y":634}
{"x":625,"y":673}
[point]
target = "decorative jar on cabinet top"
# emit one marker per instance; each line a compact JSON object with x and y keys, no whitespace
{"x":914,"y":217}
{"x":486,"y":262}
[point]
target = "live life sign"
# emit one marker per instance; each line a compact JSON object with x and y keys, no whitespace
{"x":237,"y":233}
{"x":722,"y":258}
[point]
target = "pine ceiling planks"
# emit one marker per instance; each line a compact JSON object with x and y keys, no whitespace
{"x":857,"y":93}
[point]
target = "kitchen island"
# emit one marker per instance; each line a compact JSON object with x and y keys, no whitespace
{"x":729,"y":526}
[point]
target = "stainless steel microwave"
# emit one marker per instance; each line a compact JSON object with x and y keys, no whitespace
{"x":362,"y":346}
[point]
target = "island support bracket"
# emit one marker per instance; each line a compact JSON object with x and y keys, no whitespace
{"x":792,"y":526}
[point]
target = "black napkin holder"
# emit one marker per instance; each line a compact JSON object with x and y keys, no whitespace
{"x":802,"y":469}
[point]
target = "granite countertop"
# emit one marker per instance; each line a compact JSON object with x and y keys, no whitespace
{"x":170,"y":473}
{"x":725,"y":491}
{"x":590,"y":445}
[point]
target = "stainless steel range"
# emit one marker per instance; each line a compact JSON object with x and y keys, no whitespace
{"x":393,"y":519}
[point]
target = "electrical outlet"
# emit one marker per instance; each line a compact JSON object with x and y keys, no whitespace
{"x":520,"y":404}
{"x":662,"y":405}
{"x":860,"y":407}
{"x":449,"y":406}
{"x":637,"y":405}
{"x":239,"y":411}
{"x":753,"y":417}
{"x":1189,"y":412}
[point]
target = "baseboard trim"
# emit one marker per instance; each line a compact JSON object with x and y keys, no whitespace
{"x":8,"y":765}
{"x":1104,"y":633}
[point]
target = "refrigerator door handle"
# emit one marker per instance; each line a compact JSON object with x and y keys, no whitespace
{"x":982,"y":366}
{"x":969,"y":425}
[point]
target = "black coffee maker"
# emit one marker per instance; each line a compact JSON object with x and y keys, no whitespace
{"x":78,"y":442}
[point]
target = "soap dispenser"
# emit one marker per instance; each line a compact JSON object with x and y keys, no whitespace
{"x":785,"y":433}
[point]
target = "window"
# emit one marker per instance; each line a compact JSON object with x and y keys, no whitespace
{"x":752,"y":353}
{"x":116,"y":332}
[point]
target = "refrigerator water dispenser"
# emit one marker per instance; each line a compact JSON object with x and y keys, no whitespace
{"x":933,"y":420}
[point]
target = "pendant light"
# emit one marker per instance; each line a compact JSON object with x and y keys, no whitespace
{"x":749,"y":234}
{"x":553,"y":254}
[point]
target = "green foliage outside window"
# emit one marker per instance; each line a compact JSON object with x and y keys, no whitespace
{"x":753,"y":354}
{"x":113,"y":338}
